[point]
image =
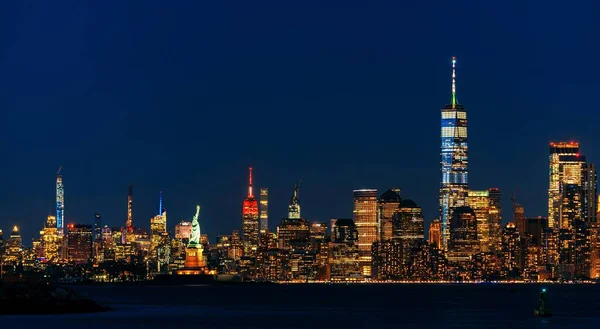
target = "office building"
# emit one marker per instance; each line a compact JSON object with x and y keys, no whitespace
{"x":495,"y":220}
{"x":479,"y":201}
{"x":454,"y":160}
{"x":250,"y":222}
{"x":60,"y":204}
{"x":345,"y":260}
{"x":389,"y":201}
{"x":463,"y":238}
{"x":407,"y":222}
{"x":558,"y":176}
{"x":79,"y":243}
{"x":435,"y":233}
{"x":264,"y":209}
{"x":366,"y":221}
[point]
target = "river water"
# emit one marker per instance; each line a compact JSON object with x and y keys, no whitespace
{"x":328,"y":306}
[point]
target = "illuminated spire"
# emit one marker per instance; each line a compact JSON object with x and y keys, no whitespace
{"x":250,"y":194}
{"x":160,"y":206}
{"x":454,"y":102}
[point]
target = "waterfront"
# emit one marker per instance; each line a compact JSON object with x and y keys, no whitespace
{"x":328,"y":306}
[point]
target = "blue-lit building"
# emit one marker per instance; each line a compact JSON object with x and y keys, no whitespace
{"x":60,"y":204}
{"x":454,"y":160}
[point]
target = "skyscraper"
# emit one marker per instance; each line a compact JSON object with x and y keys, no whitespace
{"x":129,"y":223}
{"x":589,"y":190}
{"x":264,"y":209}
{"x":79,"y":243}
{"x":389,"y":202}
{"x":407,"y":222}
{"x":97,"y":247}
{"x":435,"y":233}
{"x":463,"y":239}
{"x":294,"y":207}
{"x":495,"y":219}
{"x":479,"y":201}
{"x":366,"y":221}
{"x":555,"y":178}
{"x":454,"y":160}
{"x":60,"y":204}
{"x":250,"y":221}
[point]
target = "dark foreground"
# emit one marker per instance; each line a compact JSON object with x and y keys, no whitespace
{"x":327,"y":306}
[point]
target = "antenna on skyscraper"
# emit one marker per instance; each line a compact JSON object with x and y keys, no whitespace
{"x":454,"y":82}
{"x":59,"y":169}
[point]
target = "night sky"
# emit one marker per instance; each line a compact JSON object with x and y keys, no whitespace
{"x":183,"y":96}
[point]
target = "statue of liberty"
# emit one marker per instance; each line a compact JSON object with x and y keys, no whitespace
{"x":195,"y":237}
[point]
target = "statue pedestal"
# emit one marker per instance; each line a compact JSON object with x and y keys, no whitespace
{"x":194,"y":262}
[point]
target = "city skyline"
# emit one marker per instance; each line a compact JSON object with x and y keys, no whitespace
{"x":114,"y":118}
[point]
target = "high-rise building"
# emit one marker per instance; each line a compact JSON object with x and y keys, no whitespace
{"x":557,"y":177}
{"x":129,"y":229}
{"x":454,"y":160}
{"x":97,"y":227}
{"x":495,"y":220}
{"x":407,"y":222}
{"x":294,"y":207}
{"x":60,"y":204}
{"x":463,"y":238}
{"x":589,"y":192}
{"x":344,"y":261}
{"x":51,"y":241}
{"x":183,"y":230}
{"x":14,"y":248}
{"x":366,"y":221}
{"x":97,"y":246}
{"x":264,"y":209}
{"x":479,"y":201}
{"x":389,"y":202}
{"x":250,"y":221}
{"x":79,"y":243}
{"x":435,"y":233}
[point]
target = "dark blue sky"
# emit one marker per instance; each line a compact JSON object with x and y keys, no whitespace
{"x":183,"y":96}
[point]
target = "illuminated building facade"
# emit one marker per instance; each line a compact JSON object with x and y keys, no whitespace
{"x":511,"y":251}
{"x":367,"y":224}
{"x":97,"y":246}
{"x":495,"y":219}
{"x":344,"y":260}
{"x":264,"y":209}
{"x":407,"y":223}
{"x":388,"y":257}
{"x":435,"y":233}
{"x":250,"y":221}
{"x":389,"y":201}
{"x":129,"y":236}
{"x":589,"y":193}
{"x":558,"y":175}
{"x":183,"y":231}
{"x":294,"y":207}
{"x":454,"y":160}
{"x":14,"y":248}
{"x":463,"y":238}
{"x":479,"y":201}
{"x":79,"y":243}
{"x":50,"y":240}
{"x":60,"y":204}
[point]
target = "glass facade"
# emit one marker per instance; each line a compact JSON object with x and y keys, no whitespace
{"x":454,"y":161}
{"x":366,"y":220}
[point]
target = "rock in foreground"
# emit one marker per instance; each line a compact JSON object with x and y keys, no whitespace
{"x":21,"y":298}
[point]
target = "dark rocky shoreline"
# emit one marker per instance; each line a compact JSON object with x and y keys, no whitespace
{"x":40,"y":298}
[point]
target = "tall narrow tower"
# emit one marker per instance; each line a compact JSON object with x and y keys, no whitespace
{"x":250,"y":221}
{"x":129,"y":223}
{"x":60,"y":204}
{"x":454,"y":160}
{"x":264,"y":209}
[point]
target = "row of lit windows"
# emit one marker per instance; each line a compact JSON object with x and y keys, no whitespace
{"x":460,"y":132}
{"x":454,"y":115}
